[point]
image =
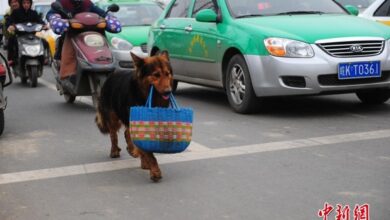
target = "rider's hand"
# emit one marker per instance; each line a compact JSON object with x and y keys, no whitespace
{"x":11,"y":29}
{"x":113,"y":24}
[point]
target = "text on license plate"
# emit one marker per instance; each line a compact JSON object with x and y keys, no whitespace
{"x":359,"y":70}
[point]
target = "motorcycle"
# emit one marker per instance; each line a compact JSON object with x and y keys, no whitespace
{"x":30,"y":60}
{"x":95,"y":61}
{"x":4,"y":69}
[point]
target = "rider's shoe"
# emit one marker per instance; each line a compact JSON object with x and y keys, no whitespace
{"x":67,"y":85}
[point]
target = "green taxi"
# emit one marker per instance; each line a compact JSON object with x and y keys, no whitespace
{"x":264,"y":48}
{"x":136,"y":17}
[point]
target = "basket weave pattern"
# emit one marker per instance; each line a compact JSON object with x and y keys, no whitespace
{"x":161,"y":130}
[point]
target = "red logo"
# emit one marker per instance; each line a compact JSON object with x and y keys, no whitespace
{"x":360,"y":212}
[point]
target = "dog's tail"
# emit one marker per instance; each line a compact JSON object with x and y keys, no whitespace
{"x":101,"y":122}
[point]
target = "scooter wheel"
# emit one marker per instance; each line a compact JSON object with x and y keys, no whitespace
{"x":69,"y":98}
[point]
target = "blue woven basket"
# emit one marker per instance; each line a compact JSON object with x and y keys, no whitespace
{"x":161,"y":130}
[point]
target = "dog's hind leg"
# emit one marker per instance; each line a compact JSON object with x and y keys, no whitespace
{"x":131,"y":148}
{"x":114,"y":127}
{"x":115,"y":150}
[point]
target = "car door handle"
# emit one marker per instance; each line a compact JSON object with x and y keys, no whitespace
{"x":162,"y":27}
{"x":188,"y":28}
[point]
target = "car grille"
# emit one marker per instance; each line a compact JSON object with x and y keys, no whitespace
{"x":353,"y":48}
{"x":144,"y":48}
{"x":332,"y":80}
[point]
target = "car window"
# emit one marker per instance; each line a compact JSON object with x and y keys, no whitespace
{"x":247,"y":8}
{"x":203,"y":4}
{"x":138,"y":14}
{"x":383,"y":10}
{"x":179,"y":9}
{"x":42,"y":9}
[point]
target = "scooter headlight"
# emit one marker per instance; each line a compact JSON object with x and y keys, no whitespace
{"x":94,"y":40}
{"x":32,"y":50}
{"x":121,"y":44}
{"x":19,"y":27}
{"x":38,"y":27}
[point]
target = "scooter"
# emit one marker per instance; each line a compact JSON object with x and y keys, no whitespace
{"x":95,"y":61}
{"x":4,"y":69}
{"x":30,"y":60}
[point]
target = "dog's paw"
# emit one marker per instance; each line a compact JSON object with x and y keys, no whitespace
{"x":115,"y":153}
{"x":145,"y":165}
{"x":155,"y":177}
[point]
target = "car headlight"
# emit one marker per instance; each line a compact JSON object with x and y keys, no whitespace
{"x":281,"y":47}
{"x":32,"y":50}
{"x":121,"y":44}
{"x":94,"y":40}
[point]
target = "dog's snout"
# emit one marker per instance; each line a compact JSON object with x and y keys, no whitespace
{"x":167,"y":91}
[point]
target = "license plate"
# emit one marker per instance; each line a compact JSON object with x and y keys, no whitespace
{"x":359,"y":70}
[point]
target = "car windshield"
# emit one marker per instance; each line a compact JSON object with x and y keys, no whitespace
{"x":252,"y":8}
{"x":138,"y":15}
{"x":360,"y":4}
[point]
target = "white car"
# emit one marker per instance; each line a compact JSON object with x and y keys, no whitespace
{"x":379,"y":10}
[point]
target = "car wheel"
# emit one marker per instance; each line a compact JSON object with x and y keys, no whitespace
{"x":374,"y":97}
{"x":174,"y":86}
{"x":238,"y":86}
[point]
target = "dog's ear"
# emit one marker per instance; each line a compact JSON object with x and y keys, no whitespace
{"x":138,"y":61}
{"x":165,"y":54}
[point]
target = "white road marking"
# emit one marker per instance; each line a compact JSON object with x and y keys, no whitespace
{"x":201,"y":153}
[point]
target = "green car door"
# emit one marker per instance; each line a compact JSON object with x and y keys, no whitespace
{"x":201,"y":49}
{"x":172,"y":31}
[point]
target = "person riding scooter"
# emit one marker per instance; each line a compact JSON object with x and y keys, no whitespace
{"x":23,"y":14}
{"x":66,"y":53}
{"x":9,"y":38}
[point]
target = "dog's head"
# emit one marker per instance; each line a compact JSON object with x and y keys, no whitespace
{"x":155,"y":70}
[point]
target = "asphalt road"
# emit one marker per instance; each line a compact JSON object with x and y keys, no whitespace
{"x":285,"y":162}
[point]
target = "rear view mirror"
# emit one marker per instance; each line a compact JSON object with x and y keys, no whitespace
{"x":206,"y":15}
{"x":352,"y":9}
{"x":113,"y":8}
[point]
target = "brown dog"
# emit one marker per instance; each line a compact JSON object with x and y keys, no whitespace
{"x":121,"y":91}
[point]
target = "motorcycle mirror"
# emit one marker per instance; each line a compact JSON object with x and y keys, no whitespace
{"x":113,"y":8}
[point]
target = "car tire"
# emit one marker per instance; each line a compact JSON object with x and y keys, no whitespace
{"x":238,"y":85}
{"x":374,"y":97}
{"x":174,"y":85}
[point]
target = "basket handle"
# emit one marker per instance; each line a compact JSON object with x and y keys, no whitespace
{"x":172,"y":100}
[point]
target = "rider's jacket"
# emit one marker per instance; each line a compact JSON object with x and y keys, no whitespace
{"x":21,"y":15}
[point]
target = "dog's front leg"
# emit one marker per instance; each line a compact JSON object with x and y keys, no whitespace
{"x":131,"y":149}
{"x":115,"y":150}
{"x":148,"y":161}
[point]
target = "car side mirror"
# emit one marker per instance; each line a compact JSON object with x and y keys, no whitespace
{"x":206,"y":15}
{"x":352,"y":10}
